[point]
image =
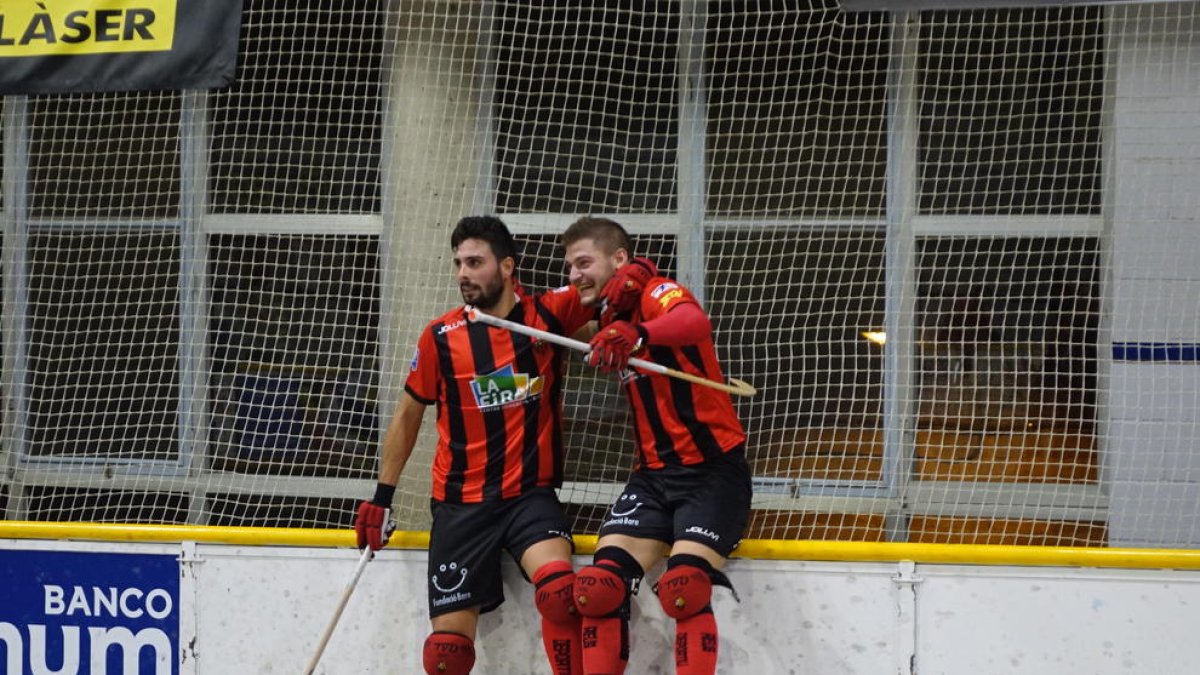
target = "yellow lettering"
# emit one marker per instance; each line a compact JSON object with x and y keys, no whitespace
{"x":72,"y":27}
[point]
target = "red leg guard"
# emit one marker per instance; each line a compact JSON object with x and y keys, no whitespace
{"x":696,"y":644}
{"x":553,"y":595}
{"x":448,"y":653}
{"x":685,"y":591}
{"x":602,"y":595}
{"x":605,"y":645}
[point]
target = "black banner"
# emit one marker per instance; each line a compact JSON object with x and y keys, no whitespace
{"x":62,"y":46}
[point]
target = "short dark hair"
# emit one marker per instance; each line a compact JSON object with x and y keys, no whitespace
{"x":486,"y":228}
{"x":608,"y":234}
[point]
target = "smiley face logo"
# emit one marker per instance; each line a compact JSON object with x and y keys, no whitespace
{"x":626,"y":504}
{"x":449,"y":569}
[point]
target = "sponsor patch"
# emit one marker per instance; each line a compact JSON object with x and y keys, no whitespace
{"x":504,"y":387}
{"x":446,"y":328}
{"x":662,"y":288}
{"x":673,"y":295}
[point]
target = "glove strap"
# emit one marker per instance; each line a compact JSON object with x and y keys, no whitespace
{"x":643,"y":336}
{"x":383,"y":495}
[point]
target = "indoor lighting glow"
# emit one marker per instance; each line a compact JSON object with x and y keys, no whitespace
{"x":877,"y":336}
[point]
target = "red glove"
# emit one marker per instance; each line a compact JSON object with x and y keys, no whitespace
{"x":614,"y":344}
{"x":624,"y":289}
{"x":374,"y":524}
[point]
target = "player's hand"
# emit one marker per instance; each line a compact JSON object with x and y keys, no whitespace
{"x":373,"y":525}
{"x":624,"y":289}
{"x":614,"y":344}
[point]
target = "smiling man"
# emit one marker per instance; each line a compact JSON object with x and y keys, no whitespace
{"x":499,"y":455}
{"x":689,"y":495}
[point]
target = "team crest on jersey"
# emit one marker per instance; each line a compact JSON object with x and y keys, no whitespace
{"x":503,"y":387}
{"x":662,"y":288}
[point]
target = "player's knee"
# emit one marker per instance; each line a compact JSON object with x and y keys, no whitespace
{"x":554,"y":591}
{"x":685,"y":589}
{"x":448,"y":653}
{"x":604,"y":587}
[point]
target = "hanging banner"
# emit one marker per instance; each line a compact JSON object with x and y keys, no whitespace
{"x":66,"y":612}
{"x":63,"y":46}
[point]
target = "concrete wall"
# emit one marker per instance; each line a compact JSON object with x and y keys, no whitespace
{"x":262,"y":610}
{"x":1154,"y":452}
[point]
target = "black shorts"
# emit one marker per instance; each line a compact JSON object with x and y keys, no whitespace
{"x":707,"y":503}
{"x":465,"y":542}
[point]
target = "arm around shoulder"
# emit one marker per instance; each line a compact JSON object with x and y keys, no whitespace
{"x":685,"y":324}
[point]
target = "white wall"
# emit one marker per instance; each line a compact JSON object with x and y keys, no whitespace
{"x":261,"y":610}
{"x":1154,"y":453}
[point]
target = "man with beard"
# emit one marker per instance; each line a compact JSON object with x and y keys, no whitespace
{"x":499,"y":454}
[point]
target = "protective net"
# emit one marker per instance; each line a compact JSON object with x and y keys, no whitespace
{"x":953,"y":250}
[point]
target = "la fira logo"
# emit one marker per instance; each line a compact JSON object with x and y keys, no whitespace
{"x":504,"y":387}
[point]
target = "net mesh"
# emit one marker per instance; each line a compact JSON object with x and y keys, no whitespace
{"x":952,"y":249}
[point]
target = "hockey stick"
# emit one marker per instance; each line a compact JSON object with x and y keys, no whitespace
{"x":337,"y":614}
{"x":735,"y":387}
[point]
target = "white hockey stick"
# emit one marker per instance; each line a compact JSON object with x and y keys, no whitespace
{"x":337,"y":614}
{"x":735,"y":387}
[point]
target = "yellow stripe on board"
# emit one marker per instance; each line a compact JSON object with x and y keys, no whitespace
{"x":755,"y":549}
{"x":241,"y":536}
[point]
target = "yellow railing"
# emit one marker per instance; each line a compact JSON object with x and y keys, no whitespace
{"x":758,"y":549}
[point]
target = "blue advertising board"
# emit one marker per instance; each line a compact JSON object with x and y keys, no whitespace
{"x":75,"y":612}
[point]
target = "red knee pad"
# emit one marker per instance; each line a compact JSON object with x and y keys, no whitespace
{"x":604,"y":604}
{"x":447,"y":653}
{"x":600,"y":589}
{"x":553,"y":593}
{"x":685,"y":589}
{"x":553,"y":596}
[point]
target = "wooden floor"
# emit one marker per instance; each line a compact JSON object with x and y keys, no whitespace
{"x":1052,"y":457}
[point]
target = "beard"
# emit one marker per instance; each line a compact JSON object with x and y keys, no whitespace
{"x":485,"y":296}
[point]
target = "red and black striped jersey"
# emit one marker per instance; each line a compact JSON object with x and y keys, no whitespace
{"x":498,"y":396}
{"x":677,"y":422}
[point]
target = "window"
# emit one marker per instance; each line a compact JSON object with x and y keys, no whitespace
{"x":294,"y":336}
{"x":300,"y":129}
{"x":1006,"y":359}
{"x":104,"y":156}
{"x":103,"y":344}
{"x":1011,"y":111}
{"x":789,"y":307}
{"x":796,"y":111}
{"x":586,"y":111}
